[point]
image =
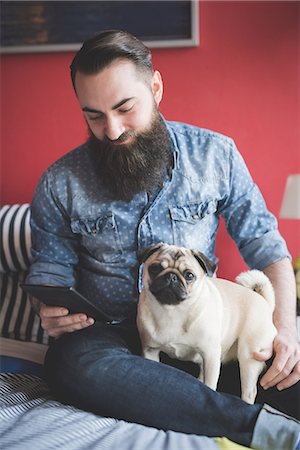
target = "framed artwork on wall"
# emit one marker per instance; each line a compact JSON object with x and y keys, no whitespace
{"x":53,"y":26}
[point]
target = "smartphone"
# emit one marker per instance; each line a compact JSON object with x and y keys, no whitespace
{"x":67,"y":297}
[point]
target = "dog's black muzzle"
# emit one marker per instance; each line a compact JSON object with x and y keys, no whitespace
{"x":168,"y":289}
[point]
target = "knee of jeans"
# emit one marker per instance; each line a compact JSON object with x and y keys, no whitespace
{"x":67,"y":350}
{"x":75,"y":355}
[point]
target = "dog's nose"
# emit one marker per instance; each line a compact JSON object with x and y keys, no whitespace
{"x":172,"y":278}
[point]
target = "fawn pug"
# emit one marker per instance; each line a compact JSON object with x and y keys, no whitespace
{"x":192,"y":316}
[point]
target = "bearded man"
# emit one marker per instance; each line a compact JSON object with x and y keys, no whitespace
{"x":140,"y":180}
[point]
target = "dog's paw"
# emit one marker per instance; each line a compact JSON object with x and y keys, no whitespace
{"x":249,"y":395}
{"x":152,"y":354}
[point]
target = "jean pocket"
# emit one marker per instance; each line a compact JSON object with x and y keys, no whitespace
{"x":192,"y":223}
{"x":99,"y":237}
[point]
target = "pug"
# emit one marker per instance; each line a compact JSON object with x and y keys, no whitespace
{"x":190,"y":315}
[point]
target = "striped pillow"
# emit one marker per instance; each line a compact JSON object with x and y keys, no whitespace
{"x":15,"y":238}
{"x":17,"y":319}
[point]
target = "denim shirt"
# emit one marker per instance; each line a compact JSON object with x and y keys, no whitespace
{"x":82,"y":238}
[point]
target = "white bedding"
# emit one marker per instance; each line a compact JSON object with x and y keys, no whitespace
{"x":30,"y":418}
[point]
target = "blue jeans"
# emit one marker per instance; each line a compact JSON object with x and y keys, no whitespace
{"x":100,"y":369}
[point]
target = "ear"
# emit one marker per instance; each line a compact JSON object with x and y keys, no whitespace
{"x":145,"y":253}
{"x":157,"y":87}
{"x":208,"y":266}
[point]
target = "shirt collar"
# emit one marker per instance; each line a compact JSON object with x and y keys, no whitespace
{"x":174,"y":146}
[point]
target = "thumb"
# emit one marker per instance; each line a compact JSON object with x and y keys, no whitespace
{"x":262,"y":355}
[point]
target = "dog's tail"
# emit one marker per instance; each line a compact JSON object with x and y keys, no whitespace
{"x":258,"y":282}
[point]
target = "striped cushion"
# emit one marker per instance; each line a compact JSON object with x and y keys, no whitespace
{"x":17,"y":319}
{"x":15,"y":237}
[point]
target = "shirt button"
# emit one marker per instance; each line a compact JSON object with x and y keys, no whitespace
{"x":196,"y":216}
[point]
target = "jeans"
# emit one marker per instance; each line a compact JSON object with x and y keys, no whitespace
{"x":100,"y":369}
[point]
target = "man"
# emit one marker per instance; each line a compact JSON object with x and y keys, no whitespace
{"x":140,"y":180}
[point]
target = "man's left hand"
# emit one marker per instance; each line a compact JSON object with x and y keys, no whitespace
{"x":285,"y":369}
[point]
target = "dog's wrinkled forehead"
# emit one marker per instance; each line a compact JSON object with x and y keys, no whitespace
{"x":177,"y":257}
{"x":170,"y":257}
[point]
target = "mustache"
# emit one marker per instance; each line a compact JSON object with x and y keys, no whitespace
{"x":122,"y":138}
{"x":128,"y":168}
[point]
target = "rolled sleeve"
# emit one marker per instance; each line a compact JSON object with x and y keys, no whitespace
{"x":248,"y":221}
{"x":54,"y":247}
{"x":265,"y":250}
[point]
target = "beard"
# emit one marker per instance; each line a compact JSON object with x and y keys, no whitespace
{"x":140,"y":166}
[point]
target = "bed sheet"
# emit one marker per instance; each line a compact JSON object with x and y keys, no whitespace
{"x":31,"y":418}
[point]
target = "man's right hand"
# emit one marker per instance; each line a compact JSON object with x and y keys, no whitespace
{"x":56,"y":320}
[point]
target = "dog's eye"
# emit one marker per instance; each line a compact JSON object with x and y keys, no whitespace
{"x":189,"y":276}
{"x":155,"y":270}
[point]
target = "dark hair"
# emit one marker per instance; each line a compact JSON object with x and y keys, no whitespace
{"x":99,"y":51}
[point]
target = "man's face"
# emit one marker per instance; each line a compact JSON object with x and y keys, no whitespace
{"x":128,"y":137}
{"x":118,"y":102}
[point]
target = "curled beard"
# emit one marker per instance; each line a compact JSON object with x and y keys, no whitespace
{"x":140,"y":166}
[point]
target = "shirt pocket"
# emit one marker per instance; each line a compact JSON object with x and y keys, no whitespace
{"x":193,"y":223}
{"x":99,"y":236}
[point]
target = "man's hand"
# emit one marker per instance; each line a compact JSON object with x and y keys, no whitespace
{"x":56,"y":320}
{"x":285,"y":369}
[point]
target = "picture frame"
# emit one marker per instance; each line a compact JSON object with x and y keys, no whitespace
{"x":59,"y":26}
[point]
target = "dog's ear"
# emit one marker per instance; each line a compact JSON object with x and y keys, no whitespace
{"x":208,"y":266}
{"x":145,"y":253}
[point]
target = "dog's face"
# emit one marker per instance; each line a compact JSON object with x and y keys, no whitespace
{"x":173,"y":273}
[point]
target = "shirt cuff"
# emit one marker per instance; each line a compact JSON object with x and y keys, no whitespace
{"x":263,"y":251}
{"x":45,"y":273}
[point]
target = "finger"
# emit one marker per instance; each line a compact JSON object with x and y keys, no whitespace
{"x":263,"y":355}
{"x":268,"y":380}
{"x":52,"y":311}
{"x":292,"y":379}
{"x":274,"y":371}
{"x":68,"y":320}
{"x":59,"y":331}
{"x":282,"y":373}
{"x":289,"y":370}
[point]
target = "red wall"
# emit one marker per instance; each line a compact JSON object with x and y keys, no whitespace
{"x":243,"y":81}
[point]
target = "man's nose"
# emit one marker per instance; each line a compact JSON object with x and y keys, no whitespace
{"x":113,"y":128}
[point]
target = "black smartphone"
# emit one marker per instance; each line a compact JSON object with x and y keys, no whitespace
{"x":67,"y":297}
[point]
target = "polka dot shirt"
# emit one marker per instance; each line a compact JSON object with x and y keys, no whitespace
{"x":83,"y":238}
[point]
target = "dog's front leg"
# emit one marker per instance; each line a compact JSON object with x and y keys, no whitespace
{"x":201,"y":372}
{"x":250,"y":370}
{"x":211,"y":369}
{"x":151,"y":353}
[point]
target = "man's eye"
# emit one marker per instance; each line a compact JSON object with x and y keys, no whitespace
{"x":126,"y":110}
{"x":95,"y":118}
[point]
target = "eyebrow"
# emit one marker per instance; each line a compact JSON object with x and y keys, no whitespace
{"x":92,"y":110}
